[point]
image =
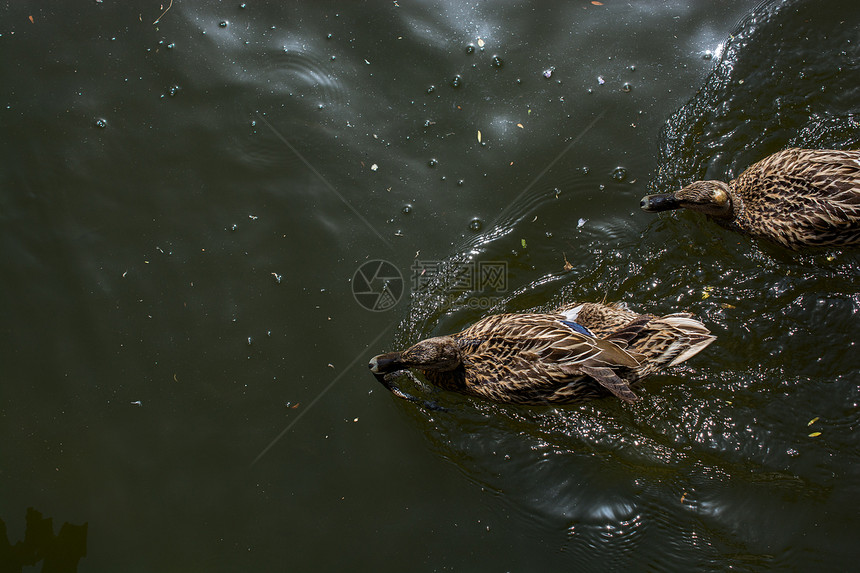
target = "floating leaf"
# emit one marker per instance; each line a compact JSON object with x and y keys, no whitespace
{"x":814,"y":434}
{"x":480,"y":43}
{"x":812,"y":421}
{"x":479,"y":136}
{"x":523,"y":243}
{"x":706,"y":292}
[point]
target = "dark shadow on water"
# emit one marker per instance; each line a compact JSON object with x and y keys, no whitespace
{"x":58,"y":553}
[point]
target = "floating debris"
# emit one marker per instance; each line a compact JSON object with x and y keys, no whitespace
{"x":567,"y":266}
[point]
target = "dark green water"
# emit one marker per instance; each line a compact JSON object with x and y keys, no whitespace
{"x":185,"y":204}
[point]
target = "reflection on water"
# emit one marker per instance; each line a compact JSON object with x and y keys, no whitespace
{"x":59,"y":552}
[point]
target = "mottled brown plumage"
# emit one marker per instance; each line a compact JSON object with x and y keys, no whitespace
{"x":577,"y":353}
{"x":797,"y":198}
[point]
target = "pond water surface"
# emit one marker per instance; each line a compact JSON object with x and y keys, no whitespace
{"x":188,"y":199}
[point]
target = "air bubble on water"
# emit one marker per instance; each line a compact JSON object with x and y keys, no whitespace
{"x":626,"y":87}
{"x":497,"y":62}
{"x":470,"y":49}
{"x":222,"y":24}
{"x":432,"y":163}
{"x":101,"y":122}
{"x":431,"y":89}
{"x":457,"y":81}
{"x":547,"y":73}
{"x":619,"y":174}
{"x":406,"y":209}
{"x":460,"y":182}
{"x":476,"y":225}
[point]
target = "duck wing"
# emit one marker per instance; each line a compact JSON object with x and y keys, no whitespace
{"x":544,"y":354}
{"x":609,"y":380}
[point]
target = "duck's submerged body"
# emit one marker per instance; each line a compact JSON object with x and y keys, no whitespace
{"x":578,"y":353}
{"x":797,"y":198}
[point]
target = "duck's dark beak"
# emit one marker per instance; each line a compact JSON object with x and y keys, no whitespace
{"x":659,"y":202}
{"x":384,"y":363}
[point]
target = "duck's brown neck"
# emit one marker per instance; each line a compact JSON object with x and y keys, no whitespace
{"x":737,"y":206}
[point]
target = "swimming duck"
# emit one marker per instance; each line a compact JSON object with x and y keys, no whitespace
{"x":579,"y":352}
{"x":797,"y":198}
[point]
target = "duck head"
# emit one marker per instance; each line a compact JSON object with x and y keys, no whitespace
{"x":440,"y":353}
{"x":712,"y":198}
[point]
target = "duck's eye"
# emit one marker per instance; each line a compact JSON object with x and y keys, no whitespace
{"x":720,"y":197}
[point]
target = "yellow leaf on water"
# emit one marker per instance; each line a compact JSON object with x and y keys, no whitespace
{"x":812,"y":421}
{"x":480,"y":43}
{"x":479,"y":136}
{"x":814,"y":434}
{"x":706,"y":292}
{"x":520,"y":126}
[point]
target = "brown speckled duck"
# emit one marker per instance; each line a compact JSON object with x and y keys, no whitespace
{"x":580,"y":352}
{"x":797,"y":198}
